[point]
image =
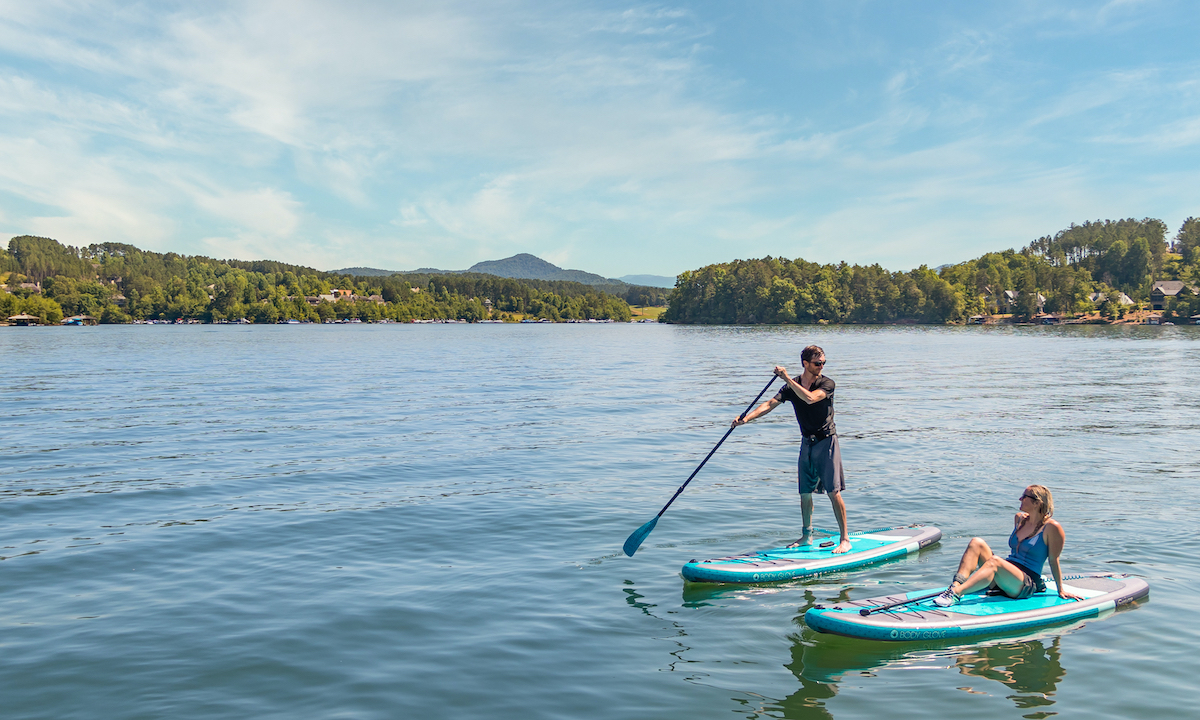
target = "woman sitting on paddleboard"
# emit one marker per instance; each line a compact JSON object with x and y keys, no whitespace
{"x":1035,"y":538}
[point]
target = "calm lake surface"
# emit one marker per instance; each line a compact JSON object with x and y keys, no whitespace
{"x":426,"y":521}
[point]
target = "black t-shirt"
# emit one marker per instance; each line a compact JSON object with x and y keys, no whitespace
{"x":815,"y":419}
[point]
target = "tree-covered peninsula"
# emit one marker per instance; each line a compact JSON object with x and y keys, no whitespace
{"x":117,"y":283}
{"x":1083,"y":268}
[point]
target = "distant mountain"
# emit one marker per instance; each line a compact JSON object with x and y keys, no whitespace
{"x":525,"y":267}
{"x":376,"y":272}
{"x":364,"y":272}
{"x":530,"y":267}
{"x":658,"y":281}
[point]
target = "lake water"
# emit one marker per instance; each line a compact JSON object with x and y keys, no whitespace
{"x":426,"y":521}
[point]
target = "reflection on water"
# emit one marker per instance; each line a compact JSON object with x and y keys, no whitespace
{"x":1032,"y":669}
{"x":635,"y":600}
{"x":807,"y":703}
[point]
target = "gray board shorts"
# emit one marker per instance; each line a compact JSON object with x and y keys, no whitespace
{"x":1029,"y":585}
{"x":820,"y":466}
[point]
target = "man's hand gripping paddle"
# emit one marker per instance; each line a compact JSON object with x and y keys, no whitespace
{"x":639,"y":535}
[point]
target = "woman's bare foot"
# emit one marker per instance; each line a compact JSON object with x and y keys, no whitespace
{"x":843,"y":547}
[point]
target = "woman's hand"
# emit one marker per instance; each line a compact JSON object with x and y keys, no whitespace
{"x":1069,"y":595}
{"x":1020,"y":518}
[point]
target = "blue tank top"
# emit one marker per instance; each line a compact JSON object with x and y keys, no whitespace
{"x":1029,"y":553}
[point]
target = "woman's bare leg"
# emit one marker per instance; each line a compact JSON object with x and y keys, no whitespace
{"x":976,"y":554}
{"x":995,"y":570}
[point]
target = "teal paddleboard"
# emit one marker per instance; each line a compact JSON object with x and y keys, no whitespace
{"x":977,"y":614}
{"x":869,"y":547}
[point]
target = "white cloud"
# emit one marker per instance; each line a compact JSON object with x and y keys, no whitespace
{"x":264,"y":212}
{"x":618,"y":140}
{"x":90,"y":199}
{"x":411,"y":215}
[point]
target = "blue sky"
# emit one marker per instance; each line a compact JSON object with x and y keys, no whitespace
{"x":614,"y":138}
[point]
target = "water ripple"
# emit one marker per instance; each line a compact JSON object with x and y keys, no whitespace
{"x":376,"y":521}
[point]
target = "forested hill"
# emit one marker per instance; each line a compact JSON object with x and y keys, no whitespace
{"x":1106,"y":257}
{"x":119,"y":283}
{"x":524,"y":266}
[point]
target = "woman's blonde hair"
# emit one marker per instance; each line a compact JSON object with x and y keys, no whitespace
{"x":1043,"y":498}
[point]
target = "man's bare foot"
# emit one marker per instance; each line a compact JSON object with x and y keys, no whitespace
{"x":804,"y":540}
{"x":843,"y":547}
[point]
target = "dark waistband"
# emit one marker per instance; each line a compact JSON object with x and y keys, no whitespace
{"x":818,"y":437}
{"x":1038,"y":583}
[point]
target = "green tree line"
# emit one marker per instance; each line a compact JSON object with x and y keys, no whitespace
{"x":115,"y":283}
{"x":1066,"y":269}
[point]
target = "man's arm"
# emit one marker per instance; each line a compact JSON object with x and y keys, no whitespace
{"x":757,"y":412}
{"x":808,"y":397}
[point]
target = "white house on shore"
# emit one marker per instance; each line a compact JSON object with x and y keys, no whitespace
{"x":1098,"y":298}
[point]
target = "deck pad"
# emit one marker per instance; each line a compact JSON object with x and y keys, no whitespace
{"x":785,"y":563}
{"x":984,"y":604}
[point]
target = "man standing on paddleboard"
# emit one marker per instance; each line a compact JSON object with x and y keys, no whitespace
{"x":820,"y":465}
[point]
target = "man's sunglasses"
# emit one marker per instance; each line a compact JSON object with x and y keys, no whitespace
{"x":820,"y":363}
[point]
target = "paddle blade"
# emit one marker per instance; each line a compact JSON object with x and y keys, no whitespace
{"x":635,"y":540}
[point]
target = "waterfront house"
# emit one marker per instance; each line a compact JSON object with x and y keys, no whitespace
{"x":1006,"y":301}
{"x":1153,"y":320}
{"x":80,"y":320}
{"x":1163,"y":289}
{"x":24,"y":319}
{"x":1098,"y":298}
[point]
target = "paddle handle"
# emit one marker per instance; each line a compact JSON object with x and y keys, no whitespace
{"x":710,"y":452}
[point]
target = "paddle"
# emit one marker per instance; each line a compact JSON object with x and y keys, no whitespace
{"x":867,"y":611}
{"x":635,"y":540}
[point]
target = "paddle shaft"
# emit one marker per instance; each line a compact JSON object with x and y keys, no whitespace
{"x":710,"y":452}
{"x":867,"y":611}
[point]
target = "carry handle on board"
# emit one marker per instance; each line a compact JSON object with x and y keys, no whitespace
{"x":635,"y":540}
